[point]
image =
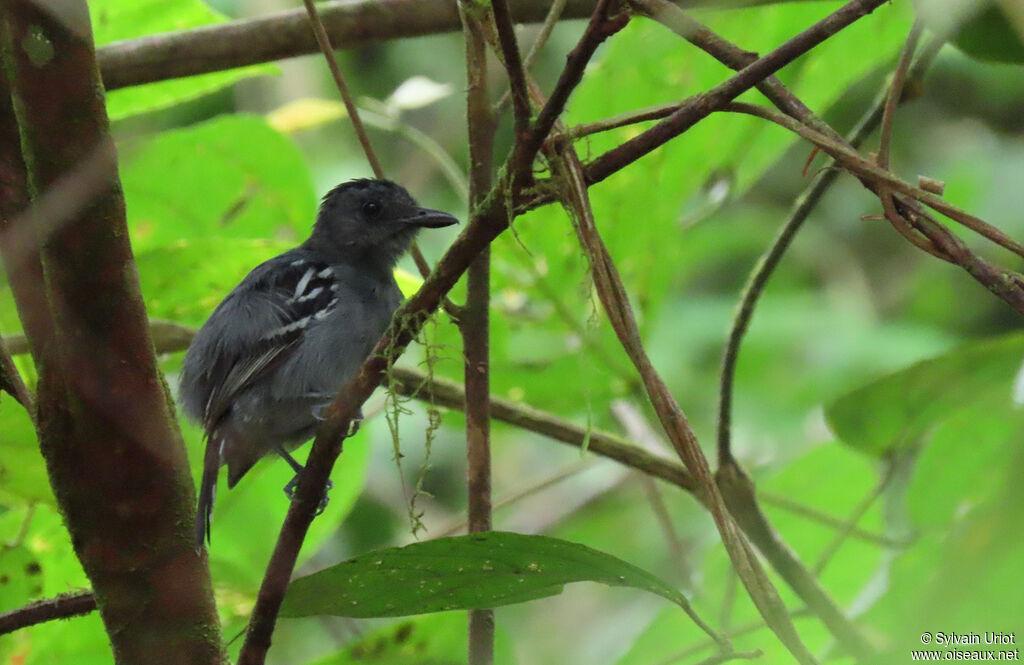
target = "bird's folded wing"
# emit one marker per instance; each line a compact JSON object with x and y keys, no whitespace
{"x":261,"y":323}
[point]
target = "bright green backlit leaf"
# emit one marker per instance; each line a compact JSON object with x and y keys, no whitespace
{"x":115,"y":20}
{"x":231,"y":177}
{"x":897,"y":409}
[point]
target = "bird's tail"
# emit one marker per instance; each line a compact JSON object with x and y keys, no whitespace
{"x":207,"y":491}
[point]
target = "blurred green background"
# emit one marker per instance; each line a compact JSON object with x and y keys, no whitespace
{"x":875,"y":381}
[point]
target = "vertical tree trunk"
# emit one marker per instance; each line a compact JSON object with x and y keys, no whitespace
{"x":113,"y":452}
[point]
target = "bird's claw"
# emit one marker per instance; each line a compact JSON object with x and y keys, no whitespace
{"x":289,"y":491}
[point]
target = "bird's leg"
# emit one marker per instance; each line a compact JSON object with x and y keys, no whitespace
{"x":289,"y":489}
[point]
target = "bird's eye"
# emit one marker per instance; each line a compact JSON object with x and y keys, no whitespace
{"x":371,"y":209}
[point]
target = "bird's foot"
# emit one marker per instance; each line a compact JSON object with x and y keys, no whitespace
{"x":289,"y":491}
{"x":353,"y":425}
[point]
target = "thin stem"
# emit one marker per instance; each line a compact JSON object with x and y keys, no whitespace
{"x":552,"y":18}
{"x":851,"y":522}
{"x":699,"y":107}
{"x":899,"y":77}
{"x":873,"y":176}
{"x":554,"y":14}
{"x":324,"y":42}
{"x":474,"y":323}
{"x":11,"y":381}
{"x":513,"y":66}
{"x":762,"y":272}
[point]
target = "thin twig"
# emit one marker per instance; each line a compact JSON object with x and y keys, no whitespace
{"x":730,"y":55}
{"x":601,"y":26}
{"x":745,"y":629}
{"x":61,"y":607}
{"x":513,"y":66}
{"x":616,"y":304}
{"x":899,"y":77}
{"x":554,"y":14}
{"x":460,"y":525}
{"x":324,"y":42}
{"x":851,"y":522}
{"x":697,"y":108}
{"x":867,"y":171}
{"x":763,"y":270}
{"x":11,"y":381}
{"x":786,"y":503}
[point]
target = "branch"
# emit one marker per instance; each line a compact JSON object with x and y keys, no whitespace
{"x":324,"y":42}
{"x":674,"y":422}
{"x":730,"y":55}
{"x":762,"y":271}
{"x":513,"y":65}
{"x":12,"y":383}
{"x":699,"y":107}
{"x":738,"y":491}
{"x":61,"y":607}
{"x":600,"y":27}
{"x":286,"y":34}
{"x":474,"y":324}
{"x":1007,"y":285}
{"x":899,"y":77}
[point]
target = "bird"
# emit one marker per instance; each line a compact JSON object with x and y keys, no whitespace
{"x":260,"y":372}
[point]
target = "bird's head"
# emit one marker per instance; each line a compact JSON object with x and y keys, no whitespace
{"x":372,"y":219}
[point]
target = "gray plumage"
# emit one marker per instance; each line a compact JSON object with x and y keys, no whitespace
{"x":281,"y":344}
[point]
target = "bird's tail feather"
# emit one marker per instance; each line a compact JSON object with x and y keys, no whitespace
{"x":207,"y":491}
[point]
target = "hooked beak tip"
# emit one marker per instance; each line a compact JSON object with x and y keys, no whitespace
{"x":431,"y":219}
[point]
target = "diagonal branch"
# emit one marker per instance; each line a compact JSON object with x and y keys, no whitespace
{"x":699,"y":107}
{"x":616,"y":303}
{"x":513,"y":65}
{"x":601,"y":26}
{"x":324,"y":42}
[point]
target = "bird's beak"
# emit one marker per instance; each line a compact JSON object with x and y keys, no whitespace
{"x":430,"y":219}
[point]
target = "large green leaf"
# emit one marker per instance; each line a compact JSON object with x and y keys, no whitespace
{"x":898,"y":409}
{"x":467,"y":572}
{"x":115,"y":20}
{"x":231,"y":177}
{"x":982,"y":29}
{"x":23,"y":476}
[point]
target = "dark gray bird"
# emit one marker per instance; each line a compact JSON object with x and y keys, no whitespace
{"x":277,"y":349}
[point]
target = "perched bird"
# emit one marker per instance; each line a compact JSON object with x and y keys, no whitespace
{"x":277,"y":349}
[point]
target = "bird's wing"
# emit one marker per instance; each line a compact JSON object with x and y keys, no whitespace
{"x":260,"y":324}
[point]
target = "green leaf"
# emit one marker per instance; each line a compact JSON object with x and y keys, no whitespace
{"x":231,"y":177}
{"x":981,"y":29}
{"x":467,"y":572}
{"x":897,"y":409}
{"x":114,"y":20}
{"x":989,"y":36}
{"x":23,"y":478}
